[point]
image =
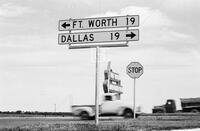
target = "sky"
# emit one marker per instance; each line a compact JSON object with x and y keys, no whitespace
{"x":37,"y":73}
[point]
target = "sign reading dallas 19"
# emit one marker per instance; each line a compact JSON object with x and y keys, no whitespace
{"x":99,"y":37}
{"x":99,"y":23}
{"x":134,"y":70}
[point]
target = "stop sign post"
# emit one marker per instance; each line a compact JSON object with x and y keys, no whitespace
{"x":134,"y":70}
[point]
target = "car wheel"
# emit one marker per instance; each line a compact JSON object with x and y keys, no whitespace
{"x":84,"y":115}
{"x":195,"y":111}
{"x":128,"y":113}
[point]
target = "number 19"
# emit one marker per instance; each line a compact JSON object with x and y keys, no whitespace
{"x":132,"y":20}
{"x":115,"y":35}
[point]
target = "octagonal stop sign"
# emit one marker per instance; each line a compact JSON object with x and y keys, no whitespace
{"x":134,"y":70}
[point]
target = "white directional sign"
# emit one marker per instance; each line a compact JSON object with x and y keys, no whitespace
{"x":98,"y":37}
{"x":99,"y":23}
{"x":134,"y":70}
{"x":115,"y":89}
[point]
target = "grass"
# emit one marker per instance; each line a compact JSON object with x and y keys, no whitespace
{"x":143,"y":123}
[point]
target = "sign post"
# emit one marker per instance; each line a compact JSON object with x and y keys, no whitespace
{"x":97,"y":87}
{"x":134,"y":106}
{"x":82,"y":40}
{"x":134,"y":70}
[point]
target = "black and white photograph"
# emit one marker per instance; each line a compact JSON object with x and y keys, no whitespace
{"x":99,"y":65}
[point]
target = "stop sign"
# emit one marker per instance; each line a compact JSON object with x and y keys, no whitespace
{"x":134,"y":70}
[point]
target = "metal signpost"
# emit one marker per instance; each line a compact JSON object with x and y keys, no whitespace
{"x":96,"y":87}
{"x":134,"y":70}
{"x":81,"y":40}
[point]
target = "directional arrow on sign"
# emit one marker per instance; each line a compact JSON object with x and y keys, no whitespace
{"x":99,"y":37}
{"x":99,"y":23}
{"x":131,"y":35}
{"x":64,"y":25}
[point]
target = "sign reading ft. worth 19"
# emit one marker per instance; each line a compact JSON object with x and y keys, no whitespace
{"x":99,"y":37}
{"x":99,"y":23}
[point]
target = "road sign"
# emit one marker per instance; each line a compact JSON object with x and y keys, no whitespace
{"x":99,"y":23}
{"x":98,"y":37}
{"x":134,"y":70}
{"x":112,"y":82}
{"x":78,"y":40}
{"x":115,"y":89}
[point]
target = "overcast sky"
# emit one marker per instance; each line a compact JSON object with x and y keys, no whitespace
{"x":36,"y":72}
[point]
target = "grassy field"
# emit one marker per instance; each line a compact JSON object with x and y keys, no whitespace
{"x":143,"y":123}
